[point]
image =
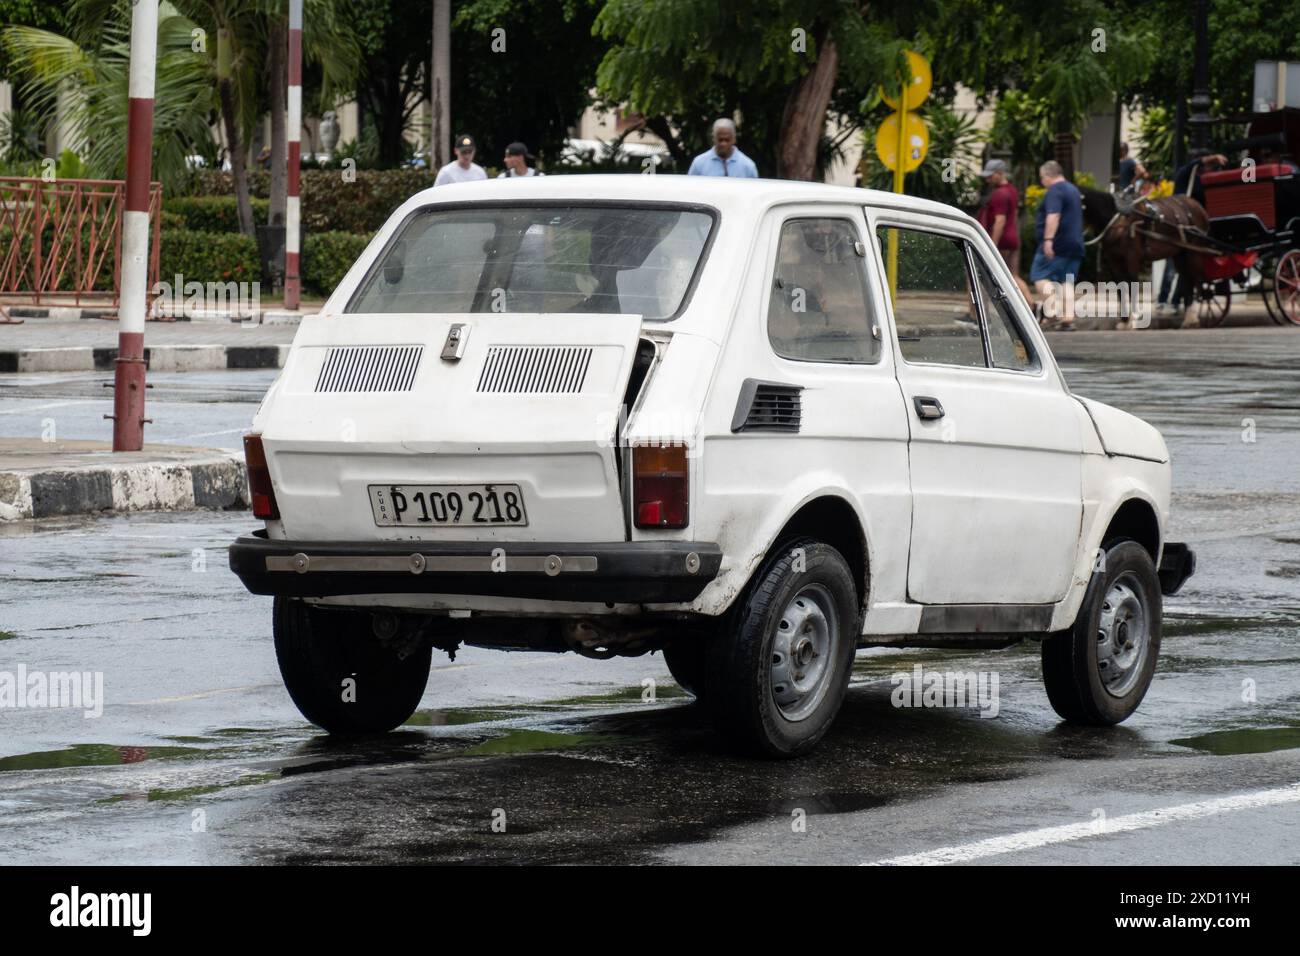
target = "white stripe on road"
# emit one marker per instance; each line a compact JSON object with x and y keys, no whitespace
{"x":224,"y":431}
{"x":1033,"y":839}
{"x":48,"y":405}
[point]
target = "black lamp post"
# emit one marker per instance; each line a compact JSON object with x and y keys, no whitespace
{"x":1200,"y":121}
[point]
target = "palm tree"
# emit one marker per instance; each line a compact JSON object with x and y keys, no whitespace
{"x":195,"y":77}
{"x":97,"y":79}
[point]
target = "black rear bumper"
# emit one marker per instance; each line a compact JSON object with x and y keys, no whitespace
{"x":1177,"y":564}
{"x":629,"y":572}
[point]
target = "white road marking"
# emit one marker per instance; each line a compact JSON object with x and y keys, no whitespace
{"x":199,"y":696}
{"x":38,"y":408}
{"x":224,"y":431}
{"x":1033,"y":839}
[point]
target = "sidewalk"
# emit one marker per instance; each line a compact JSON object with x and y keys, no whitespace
{"x":53,"y":345}
{"x":45,"y":479}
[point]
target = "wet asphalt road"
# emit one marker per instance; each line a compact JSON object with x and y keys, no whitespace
{"x":201,"y":757}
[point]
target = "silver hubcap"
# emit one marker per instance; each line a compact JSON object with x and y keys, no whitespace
{"x":801,"y":652}
{"x":1123,"y":636}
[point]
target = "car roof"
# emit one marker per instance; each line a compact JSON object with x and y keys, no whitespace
{"x":726,"y":194}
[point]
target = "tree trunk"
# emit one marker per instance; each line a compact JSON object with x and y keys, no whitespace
{"x":234,"y":142}
{"x":659,"y":126}
{"x":440,"y":133}
{"x":804,"y":117}
{"x":277,"y":81}
{"x":1064,"y":152}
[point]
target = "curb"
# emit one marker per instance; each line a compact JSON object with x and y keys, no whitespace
{"x":61,"y":313}
{"x":160,"y":358}
{"x":219,"y":483}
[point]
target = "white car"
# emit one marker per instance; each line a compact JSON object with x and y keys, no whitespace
{"x":621,"y":414}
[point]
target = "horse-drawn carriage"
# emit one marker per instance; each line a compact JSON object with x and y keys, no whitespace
{"x":1254,"y":221}
{"x":1247,"y":233}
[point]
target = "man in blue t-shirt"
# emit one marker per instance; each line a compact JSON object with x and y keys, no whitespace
{"x":1060,"y":245}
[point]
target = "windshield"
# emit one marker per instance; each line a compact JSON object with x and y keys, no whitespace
{"x":631,"y":260}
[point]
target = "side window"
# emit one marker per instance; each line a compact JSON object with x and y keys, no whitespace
{"x":934,"y":308}
{"x":818,"y":307}
{"x":1007,"y":345}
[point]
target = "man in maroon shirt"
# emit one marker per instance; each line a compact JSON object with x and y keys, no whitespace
{"x":998,"y":217}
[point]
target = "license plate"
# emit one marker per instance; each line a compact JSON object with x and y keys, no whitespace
{"x":447,"y":505}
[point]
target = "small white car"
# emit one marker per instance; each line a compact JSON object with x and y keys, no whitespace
{"x":621,"y":414}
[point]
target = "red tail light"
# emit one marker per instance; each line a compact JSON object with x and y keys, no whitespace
{"x":660,"y":486}
{"x":259,"y":479}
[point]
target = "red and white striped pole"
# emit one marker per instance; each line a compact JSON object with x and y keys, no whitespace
{"x":292,"y":205}
{"x":128,"y":377}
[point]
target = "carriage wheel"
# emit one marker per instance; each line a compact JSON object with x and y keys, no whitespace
{"x":1213,"y":300}
{"x":1286,"y":287}
{"x":1266,"y":293}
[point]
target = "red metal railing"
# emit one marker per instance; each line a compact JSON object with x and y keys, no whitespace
{"x":75,"y":232}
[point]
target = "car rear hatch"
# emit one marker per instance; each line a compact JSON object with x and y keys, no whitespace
{"x":451,"y":427}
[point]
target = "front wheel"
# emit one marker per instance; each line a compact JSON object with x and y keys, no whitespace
{"x":343,"y":678}
{"x":777,"y":676}
{"x":1099,"y":670}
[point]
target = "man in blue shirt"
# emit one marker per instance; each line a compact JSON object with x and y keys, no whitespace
{"x":724,"y":159}
{"x":1060,"y":245}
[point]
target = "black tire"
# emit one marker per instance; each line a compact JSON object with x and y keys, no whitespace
{"x":1072,"y":659}
{"x":318,"y":648}
{"x":741,"y":658}
{"x":685,"y":660}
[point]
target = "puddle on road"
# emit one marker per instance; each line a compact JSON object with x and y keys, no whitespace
{"x":462,"y":716}
{"x":188,"y":793}
{"x":95,"y":755}
{"x":530,"y":741}
{"x":1250,"y":740}
{"x":1182,"y":625}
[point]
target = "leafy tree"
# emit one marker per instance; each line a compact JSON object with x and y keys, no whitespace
{"x":783,"y":66}
{"x":49,"y":64}
{"x":535,"y":88}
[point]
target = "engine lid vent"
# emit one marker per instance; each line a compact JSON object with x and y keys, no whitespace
{"x":535,"y":369}
{"x":768,"y":407}
{"x":369,"y":368}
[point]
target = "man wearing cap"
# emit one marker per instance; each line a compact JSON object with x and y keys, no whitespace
{"x":462,"y":169}
{"x":998,"y":217}
{"x":724,"y":159}
{"x":516,"y":161}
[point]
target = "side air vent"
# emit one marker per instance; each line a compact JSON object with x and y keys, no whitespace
{"x":535,"y":369}
{"x":768,"y":407}
{"x":369,"y":368}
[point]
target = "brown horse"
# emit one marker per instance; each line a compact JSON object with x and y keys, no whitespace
{"x":1135,"y":231}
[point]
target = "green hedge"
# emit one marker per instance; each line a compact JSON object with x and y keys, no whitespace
{"x":229,"y":257}
{"x":329,"y":203}
{"x":326,"y":258}
{"x":208,"y":257}
{"x":212,"y":213}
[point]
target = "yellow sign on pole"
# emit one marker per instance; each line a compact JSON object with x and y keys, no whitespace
{"x":909,"y":138}
{"x":902,"y":139}
{"x":918,"y":87}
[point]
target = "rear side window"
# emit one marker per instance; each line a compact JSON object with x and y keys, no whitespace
{"x":817,"y":309}
{"x":632,"y":260}
{"x":1007,"y":346}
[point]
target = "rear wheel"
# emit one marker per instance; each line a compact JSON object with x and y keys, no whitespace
{"x":342,"y":677}
{"x":776,"y":677}
{"x":1099,"y":670}
{"x":1286,"y":288}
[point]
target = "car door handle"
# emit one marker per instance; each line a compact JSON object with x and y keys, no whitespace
{"x":927,"y":409}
